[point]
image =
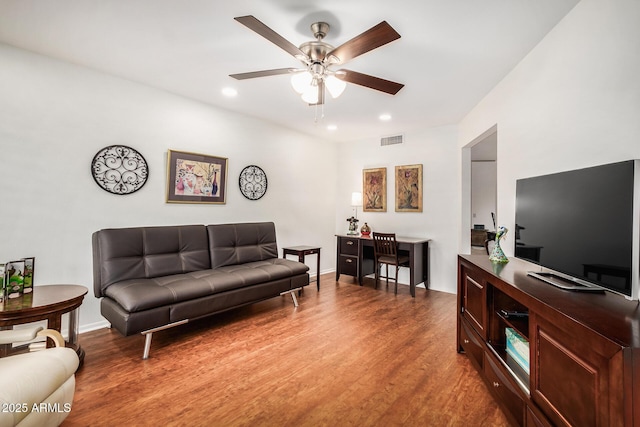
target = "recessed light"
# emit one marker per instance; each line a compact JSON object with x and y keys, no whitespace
{"x":332,"y":127}
{"x":229,"y":92}
{"x":385,"y":117}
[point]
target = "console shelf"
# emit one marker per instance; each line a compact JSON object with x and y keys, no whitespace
{"x":574,"y":358}
{"x":520,"y":325}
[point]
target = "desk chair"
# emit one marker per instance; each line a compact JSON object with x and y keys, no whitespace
{"x":386,"y":252}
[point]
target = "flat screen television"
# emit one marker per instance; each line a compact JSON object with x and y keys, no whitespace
{"x":582,"y":227}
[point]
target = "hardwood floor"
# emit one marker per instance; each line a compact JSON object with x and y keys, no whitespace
{"x":347,"y":356}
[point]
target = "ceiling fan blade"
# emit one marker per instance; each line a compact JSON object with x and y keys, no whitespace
{"x":264,"y":73}
{"x":254,"y":24}
{"x":369,"y":81}
{"x":371,"y":39}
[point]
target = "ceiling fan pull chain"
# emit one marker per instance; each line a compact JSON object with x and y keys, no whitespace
{"x":321,"y":108}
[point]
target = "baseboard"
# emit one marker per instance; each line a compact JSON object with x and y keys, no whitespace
{"x":331,"y":270}
{"x":94,"y":326}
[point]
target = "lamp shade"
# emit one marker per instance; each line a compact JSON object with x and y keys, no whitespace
{"x":356,"y":199}
{"x":301,"y":81}
{"x":335,"y":86}
{"x":310,"y":95}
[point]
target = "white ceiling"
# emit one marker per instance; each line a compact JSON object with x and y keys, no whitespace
{"x":451,"y":54}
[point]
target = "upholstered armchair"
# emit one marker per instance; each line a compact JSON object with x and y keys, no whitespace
{"x":36,"y":388}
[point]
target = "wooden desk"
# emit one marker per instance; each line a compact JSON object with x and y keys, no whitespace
{"x":478,"y":237}
{"x":355,"y":257}
{"x":45,"y":303}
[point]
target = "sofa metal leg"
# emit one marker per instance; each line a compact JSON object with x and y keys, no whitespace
{"x":292,"y":292}
{"x":149,"y":334}
{"x":147,"y":345}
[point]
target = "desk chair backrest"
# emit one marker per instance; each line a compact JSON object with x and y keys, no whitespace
{"x":384,"y":244}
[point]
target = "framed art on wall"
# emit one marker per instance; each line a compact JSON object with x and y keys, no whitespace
{"x":409,"y":188}
{"x":374,"y":190}
{"x":196,"y":178}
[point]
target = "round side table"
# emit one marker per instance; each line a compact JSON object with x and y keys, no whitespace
{"x":48,"y":303}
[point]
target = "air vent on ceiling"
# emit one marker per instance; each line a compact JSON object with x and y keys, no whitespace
{"x":391,"y":140}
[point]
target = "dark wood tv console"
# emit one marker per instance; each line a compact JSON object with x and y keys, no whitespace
{"x":584,"y":348}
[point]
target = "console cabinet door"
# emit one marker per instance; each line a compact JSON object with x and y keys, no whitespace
{"x":474,"y":299}
{"x":576,"y":375}
{"x":472,"y":344}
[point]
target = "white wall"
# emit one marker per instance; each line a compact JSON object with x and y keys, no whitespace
{"x":54,"y":117}
{"x":573,"y":102}
{"x":436,"y":150}
{"x":483,"y":193}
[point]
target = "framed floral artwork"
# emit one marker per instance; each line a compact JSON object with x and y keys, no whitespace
{"x":196,"y":178}
{"x":409,"y":188}
{"x":374,"y":190}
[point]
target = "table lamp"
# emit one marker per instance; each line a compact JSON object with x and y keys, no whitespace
{"x":356,"y":200}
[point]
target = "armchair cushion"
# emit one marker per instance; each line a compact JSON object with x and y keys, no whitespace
{"x":36,"y":388}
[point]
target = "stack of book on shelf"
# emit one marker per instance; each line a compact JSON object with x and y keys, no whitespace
{"x":517,"y":351}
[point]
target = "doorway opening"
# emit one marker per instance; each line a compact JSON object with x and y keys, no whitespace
{"x":480,"y":166}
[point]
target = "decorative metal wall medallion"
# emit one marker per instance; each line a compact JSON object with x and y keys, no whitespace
{"x":119,"y":169}
{"x":253,"y":182}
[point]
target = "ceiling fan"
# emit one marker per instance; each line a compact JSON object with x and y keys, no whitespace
{"x":318,"y":58}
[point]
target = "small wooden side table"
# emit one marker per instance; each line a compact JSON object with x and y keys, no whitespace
{"x":301,"y":251}
{"x":48,"y":303}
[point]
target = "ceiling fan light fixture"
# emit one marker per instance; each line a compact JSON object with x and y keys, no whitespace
{"x":310,"y":95}
{"x":318,"y":56}
{"x":301,"y":81}
{"x":335,"y":86}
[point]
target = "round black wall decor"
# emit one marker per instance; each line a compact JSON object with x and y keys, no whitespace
{"x":253,"y":182}
{"x":119,"y":169}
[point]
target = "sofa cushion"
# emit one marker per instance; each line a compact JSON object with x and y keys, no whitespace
{"x":231,"y":244}
{"x":143,"y":294}
{"x":147,"y":252}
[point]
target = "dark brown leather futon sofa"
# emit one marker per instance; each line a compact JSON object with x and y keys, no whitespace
{"x":153,"y":278}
